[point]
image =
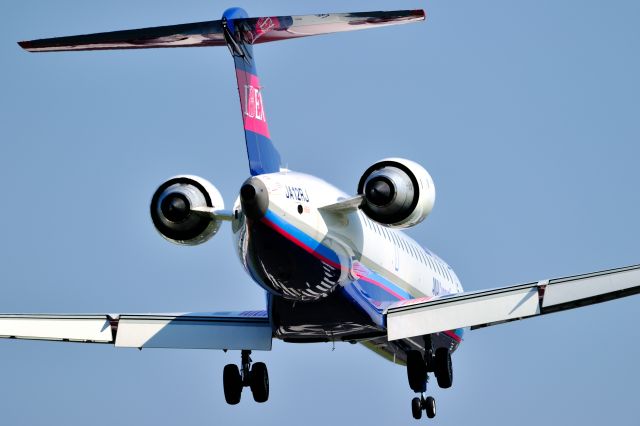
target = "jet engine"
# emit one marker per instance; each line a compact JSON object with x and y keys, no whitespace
{"x":180,"y":210}
{"x":398,"y":193}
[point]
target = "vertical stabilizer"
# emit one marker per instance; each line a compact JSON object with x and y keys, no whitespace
{"x":263,"y":156}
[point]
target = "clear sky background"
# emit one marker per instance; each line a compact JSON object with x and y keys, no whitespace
{"x":526,"y":113}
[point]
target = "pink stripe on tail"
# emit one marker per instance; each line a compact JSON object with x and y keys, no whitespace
{"x":251,"y":102}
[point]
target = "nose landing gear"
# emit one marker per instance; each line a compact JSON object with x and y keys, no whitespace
{"x":256,"y":378}
{"x":427,"y":404}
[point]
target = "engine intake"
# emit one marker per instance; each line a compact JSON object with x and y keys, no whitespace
{"x":397,"y":193}
{"x":173,"y":214}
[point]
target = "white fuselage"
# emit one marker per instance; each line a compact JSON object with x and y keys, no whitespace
{"x":369,"y":254}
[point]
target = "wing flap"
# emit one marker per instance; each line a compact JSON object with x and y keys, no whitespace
{"x":223,"y":330}
{"x":484,"y":308}
{"x":193,"y":331}
{"x":450,"y":313}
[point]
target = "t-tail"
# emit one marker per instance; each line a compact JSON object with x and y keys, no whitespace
{"x":239,"y":33}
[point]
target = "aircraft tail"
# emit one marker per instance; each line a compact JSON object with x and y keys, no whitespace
{"x":239,"y":33}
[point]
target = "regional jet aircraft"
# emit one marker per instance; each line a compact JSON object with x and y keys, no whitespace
{"x":334,"y":267}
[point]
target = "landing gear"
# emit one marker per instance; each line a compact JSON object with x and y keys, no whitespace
{"x":416,"y":371}
{"x":443,"y":368}
{"x":232,"y":382}
{"x":427,"y":404}
{"x":418,"y":367}
{"x":259,"y":382}
{"x":256,"y":377}
{"x":416,"y":408}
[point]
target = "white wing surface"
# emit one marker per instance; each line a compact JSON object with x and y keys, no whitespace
{"x":221,"y":330}
{"x":419,"y":317}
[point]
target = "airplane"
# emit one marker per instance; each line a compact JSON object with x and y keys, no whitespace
{"x":334,"y":266}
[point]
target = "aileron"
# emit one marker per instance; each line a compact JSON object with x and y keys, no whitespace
{"x":582,"y":290}
{"x":81,"y":328}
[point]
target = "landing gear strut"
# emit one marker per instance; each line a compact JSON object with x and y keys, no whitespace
{"x":418,"y":367}
{"x":256,"y":378}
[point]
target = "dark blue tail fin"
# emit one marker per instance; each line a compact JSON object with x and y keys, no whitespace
{"x":239,"y":33}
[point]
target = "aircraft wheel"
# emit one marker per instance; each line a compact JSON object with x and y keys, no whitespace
{"x":416,"y":371}
{"x":259,"y":382}
{"x":430,"y":407}
{"x":416,"y":408}
{"x":443,"y":368}
{"x":232,"y":382}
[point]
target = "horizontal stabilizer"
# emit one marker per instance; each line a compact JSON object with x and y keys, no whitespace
{"x":223,"y":330}
{"x":211,"y":33}
{"x":186,"y":35}
{"x":420,"y":317}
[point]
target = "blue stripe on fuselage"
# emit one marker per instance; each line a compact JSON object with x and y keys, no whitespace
{"x":303,"y":238}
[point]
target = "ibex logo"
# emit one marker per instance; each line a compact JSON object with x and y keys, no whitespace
{"x":253,"y":103}
{"x":263,"y":26}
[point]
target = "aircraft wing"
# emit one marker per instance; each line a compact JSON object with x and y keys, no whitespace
{"x":419,"y":317}
{"x":192,"y":330}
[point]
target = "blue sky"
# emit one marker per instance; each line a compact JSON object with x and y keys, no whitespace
{"x":525,"y":113}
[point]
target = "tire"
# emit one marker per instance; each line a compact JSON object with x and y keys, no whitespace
{"x":416,"y":408}
{"x":443,"y":368}
{"x":430,"y":407}
{"x":416,"y":371}
{"x":232,"y":382}
{"x":259,"y":382}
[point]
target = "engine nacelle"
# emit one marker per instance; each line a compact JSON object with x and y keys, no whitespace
{"x":172,"y":210}
{"x":398,"y":193}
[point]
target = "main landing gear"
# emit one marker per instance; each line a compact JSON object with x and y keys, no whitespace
{"x":254,"y":377}
{"x":418,"y":368}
